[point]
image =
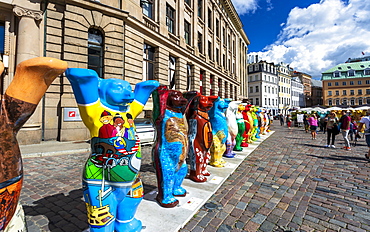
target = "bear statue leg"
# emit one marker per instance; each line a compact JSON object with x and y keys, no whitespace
{"x":101,"y":207}
{"x":216,"y":153}
{"x":229,"y":148}
{"x":179,"y":177}
{"x":165,"y":195}
{"x":205,"y":162}
{"x":196,"y":171}
{"x":125,"y":220}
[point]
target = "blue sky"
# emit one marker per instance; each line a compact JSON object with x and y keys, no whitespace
{"x":310,"y":35}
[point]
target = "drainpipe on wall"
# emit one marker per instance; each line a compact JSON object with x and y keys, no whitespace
{"x":43,"y":97}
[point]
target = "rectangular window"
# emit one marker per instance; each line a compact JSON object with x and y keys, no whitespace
{"x":257,"y":101}
{"x":337,"y":92}
{"x":217,"y":56}
{"x":2,"y":38}
{"x":202,"y":73}
{"x":170,"y":19}
{"x":359,"y":82}
{"x":148,"y":62}
{"x":210,"y":50}
{"x":360,"y":101}
{"x":367,"y":82}
{"x":360,"y":91}
{"x":367,"y":91}
{"x":329,"y":83}
{"x":210,"y":18}
{"x":147,"y":7}
{"x":200,"y":9}
{"x":189,"y":72}
{"x":367,"y":71}
{"x":251,"y":89}
{"x":352,"y":92}
{"x":172,"y":72}
{"x":188,"y":2}
{"x":217,"y":28}
{"x":336,"y":83}
{"x":200,"y":43}
{"x":352,"y":102}
{"x":344,"y":83}
{"x":187,"y":28}
{"x":329,"y":93}
{"x":351,"y":83}
{"x":257,"y":89}
{"x":351,"y":73}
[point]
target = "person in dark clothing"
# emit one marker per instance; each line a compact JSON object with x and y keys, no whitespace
{"x":345,"y":123}
{"x":281,"y":117}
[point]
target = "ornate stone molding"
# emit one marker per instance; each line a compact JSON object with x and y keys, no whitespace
{"x":20,"y":12}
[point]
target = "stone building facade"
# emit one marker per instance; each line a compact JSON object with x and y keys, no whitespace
{"x":347,"y":84}
{"x":263,"y":85}
{"x":185,"y":44}
{"x":285,"y":78}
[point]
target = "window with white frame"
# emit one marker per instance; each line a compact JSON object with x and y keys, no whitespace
{"x":351,"y":73}
{"x":95,"y":59}
{"x":170,"y":19}
{"x":147,"y":8}
{"x":148,"y":62}
{"x":172,"y":72}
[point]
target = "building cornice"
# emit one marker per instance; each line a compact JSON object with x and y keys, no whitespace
{"x":108,"y":10}
{"x":235,"y":19}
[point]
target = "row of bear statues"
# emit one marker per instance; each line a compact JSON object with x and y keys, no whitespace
{"x":190,"y":127}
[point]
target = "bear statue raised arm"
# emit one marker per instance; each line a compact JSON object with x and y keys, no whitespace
{"x":112,"y":189}
{"x":32,"y":79}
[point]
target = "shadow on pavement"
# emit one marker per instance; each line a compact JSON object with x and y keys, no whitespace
{"x":341,"y":158}
{"x":67,"y":212}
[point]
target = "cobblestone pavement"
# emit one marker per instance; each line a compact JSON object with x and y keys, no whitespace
{"x":289,"y":183}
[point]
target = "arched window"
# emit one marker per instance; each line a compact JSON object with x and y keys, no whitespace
{"x":96,"y":51}
{"x":330,"y":102}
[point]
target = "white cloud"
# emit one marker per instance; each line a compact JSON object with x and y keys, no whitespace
{"x":322,"y":35}
{"x":245,"y":6}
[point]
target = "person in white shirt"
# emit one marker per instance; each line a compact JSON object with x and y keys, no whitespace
{"x":364,"y":125}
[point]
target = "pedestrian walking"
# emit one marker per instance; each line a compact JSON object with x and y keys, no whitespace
{"x":345,"y":122}
{"x":313,"y":125}
{"x":364,"y":126}
{"x":332,"y":129}
{"x":306,"y":125}
{"x":281,"y":117}
{"x":289,"y":121}
{"x":353,"y":129}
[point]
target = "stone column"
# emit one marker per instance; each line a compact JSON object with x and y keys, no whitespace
{"x":28,"y":36}
{"x":28,"y":46}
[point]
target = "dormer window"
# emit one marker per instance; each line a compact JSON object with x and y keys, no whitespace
{"x":351,"y":73}
{"x":367,"y":71}
{"x":336,"y":74}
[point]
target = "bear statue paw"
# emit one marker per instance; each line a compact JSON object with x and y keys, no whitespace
{"x":230,"y":155}
{"x":170,"y":204}
{"x":133,"y":225}
{"x":198,"y":178}
{"x":179,"y":192}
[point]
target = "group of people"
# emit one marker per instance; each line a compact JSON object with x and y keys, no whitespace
{"x":350,"y":126}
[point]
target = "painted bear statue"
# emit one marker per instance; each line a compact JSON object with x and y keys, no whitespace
{"x":232,"y":124}
{"x":241,"y":128}
{"x":171,"y":148}
{"x":220,"y":131}
{"x":111,"y":187}
{"x":31,"y":80}
{"x":200,"y":136}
